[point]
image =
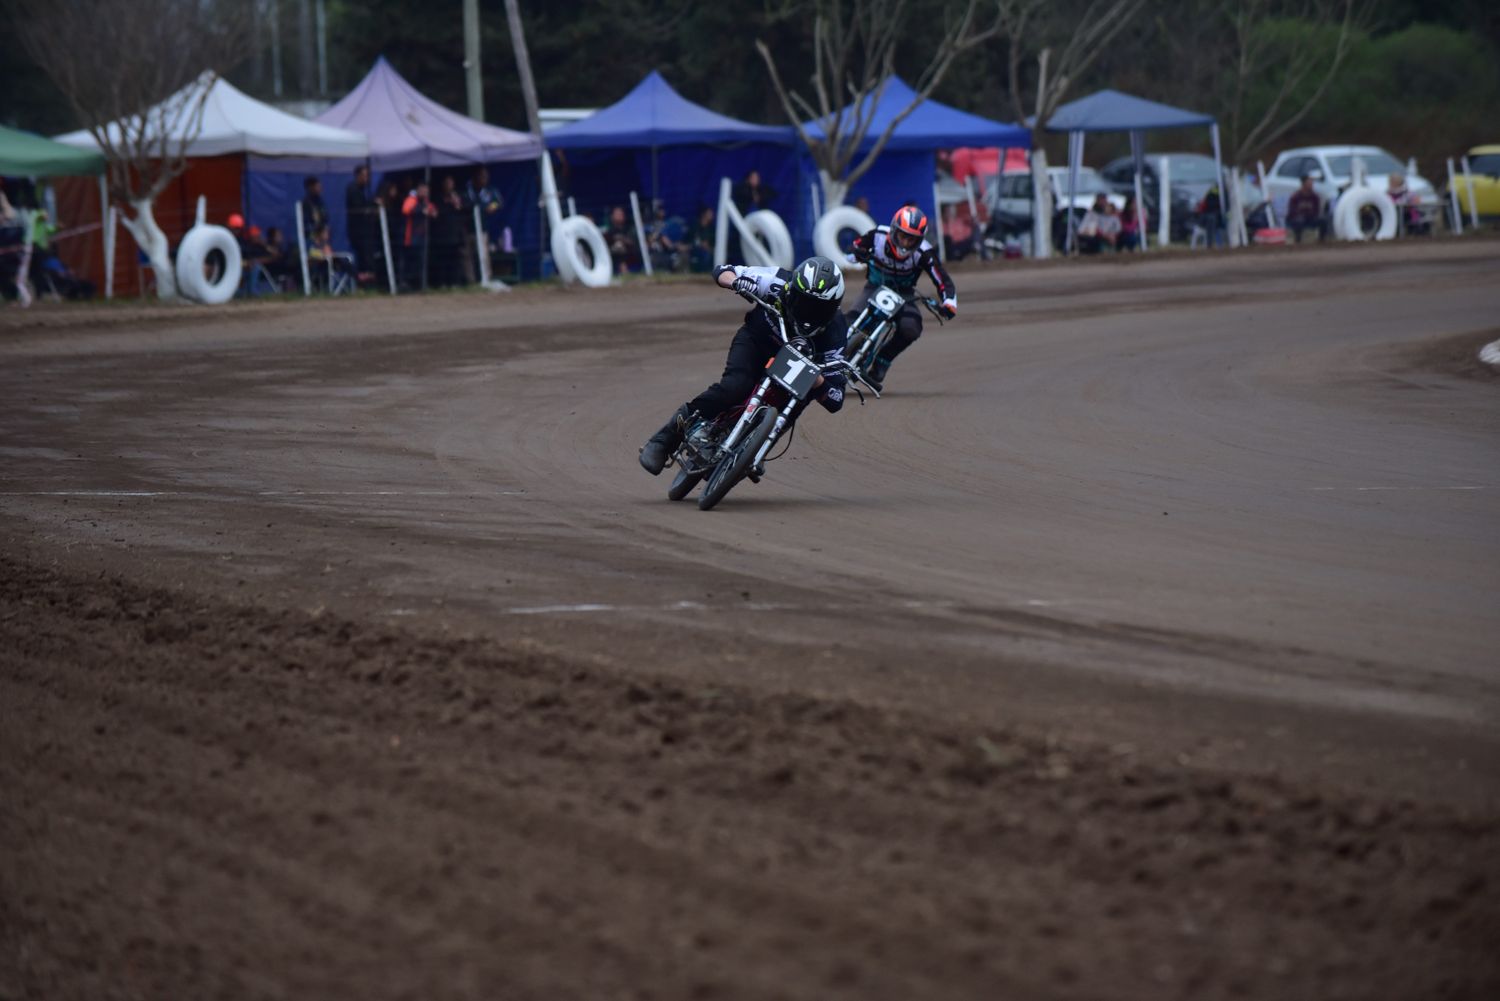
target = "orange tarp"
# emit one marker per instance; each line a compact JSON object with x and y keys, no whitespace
{"x":219,"y":178}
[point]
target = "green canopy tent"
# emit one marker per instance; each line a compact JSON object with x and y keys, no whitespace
{"x":23,"y":154}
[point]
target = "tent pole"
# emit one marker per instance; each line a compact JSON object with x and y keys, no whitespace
{"x":1075,"y":161}
{"x":1213,"y":131}
{"x":937,"y":221}
{"x":1138,"y":155}
{"x":640,"y":232}
{"x":655,"y":187}
{"x":1164,"y":203}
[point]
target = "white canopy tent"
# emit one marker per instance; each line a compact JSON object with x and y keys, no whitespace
{"x":235,"y":122}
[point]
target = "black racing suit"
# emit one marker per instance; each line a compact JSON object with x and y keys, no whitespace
{"x":873,"y":249}
{"x":756,"y":342}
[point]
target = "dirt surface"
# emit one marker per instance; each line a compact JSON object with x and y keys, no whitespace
{"x":1139,"y":644}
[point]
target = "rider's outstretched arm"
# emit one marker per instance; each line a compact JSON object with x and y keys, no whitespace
{"x":742,"y":278}
{"x":947,"y":291}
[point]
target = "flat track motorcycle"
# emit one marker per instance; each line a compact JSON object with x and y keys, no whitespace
{"x":737,"y":445}
{"x":873,"y":328}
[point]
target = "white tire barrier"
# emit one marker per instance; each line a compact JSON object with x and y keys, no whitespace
{"x":771,"y":233}
{"x":566,"y":240}
{"x":192,"y":259}
{"x":1490,"y":354}
{"x":835,"y":221}
{"x":1346,"y":225}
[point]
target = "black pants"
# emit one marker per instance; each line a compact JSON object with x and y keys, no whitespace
{"x":908,"y":324}
{"x":1300,"y":226}
{"x":743,"y":369}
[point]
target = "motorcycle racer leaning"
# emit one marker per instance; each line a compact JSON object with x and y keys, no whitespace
{"x":809,"y":296}
{"x":895,"y":256}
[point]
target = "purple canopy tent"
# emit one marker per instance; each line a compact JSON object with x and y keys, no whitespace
{"x":407,"y":131}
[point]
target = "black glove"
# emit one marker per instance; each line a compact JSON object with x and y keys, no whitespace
{"x":747,"y":286}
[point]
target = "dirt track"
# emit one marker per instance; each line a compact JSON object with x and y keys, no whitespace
{"x":1139,"y":644}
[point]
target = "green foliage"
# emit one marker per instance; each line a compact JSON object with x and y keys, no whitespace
{"x":1426,"y":90}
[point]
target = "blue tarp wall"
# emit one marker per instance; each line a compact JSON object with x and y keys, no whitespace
{"x":271,"y":198}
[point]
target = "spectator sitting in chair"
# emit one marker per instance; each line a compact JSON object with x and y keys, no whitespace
{"x":314,"y":212}
{"x":1406,"y":203}
{"x":1304,"y":211}
{"x":276,"y":260}
{"x":666,"y":240}
{"x":623,"y":252}
{"x":1100,"y":227}
{"x":701,"y":241}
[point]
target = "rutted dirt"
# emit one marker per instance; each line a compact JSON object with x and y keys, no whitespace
{"x":210,"y":800}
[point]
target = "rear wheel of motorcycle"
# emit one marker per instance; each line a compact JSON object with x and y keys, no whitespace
{"x":683,"y":484}
{"x":733,"y":467}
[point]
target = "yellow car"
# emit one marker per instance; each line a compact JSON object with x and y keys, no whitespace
{"x":1484,"y":167}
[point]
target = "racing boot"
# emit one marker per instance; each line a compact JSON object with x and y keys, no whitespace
{"x":660,"y":446}
{"x":878,"y":369}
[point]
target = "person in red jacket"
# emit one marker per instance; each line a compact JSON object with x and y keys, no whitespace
{"x":419,"y":211}
{"x":1304,"y":210}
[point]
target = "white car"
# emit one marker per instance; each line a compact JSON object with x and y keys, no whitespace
{"x":1011,"y":193}
{"x":1332,"y":168}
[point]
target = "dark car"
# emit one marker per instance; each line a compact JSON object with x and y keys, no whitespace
{"x":1189,"y":174}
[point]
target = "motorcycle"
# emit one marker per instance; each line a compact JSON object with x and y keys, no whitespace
{"x":873,"y":328}
{"x":737,"y":445}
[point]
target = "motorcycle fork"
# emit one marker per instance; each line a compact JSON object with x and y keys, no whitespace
{"x":873,"y":342}
{"x":781,"y":421}
{"x":752,"y":406}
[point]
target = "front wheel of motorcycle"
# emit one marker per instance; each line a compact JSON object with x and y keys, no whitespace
{"x":683,"y":484}
{"x":733,"y":467}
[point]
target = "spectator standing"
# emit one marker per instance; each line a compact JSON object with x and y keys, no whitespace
{"x":751,"y":195}
{"x":1304,"y":211}
{"x":418,"y":211}
{"x":484,"y":194}
{"x":314,"y":212}
{"x":1211,"y":217}
{"x":1130,"y":226}
{"x":360,"y":220}
{"x":452,"y":265}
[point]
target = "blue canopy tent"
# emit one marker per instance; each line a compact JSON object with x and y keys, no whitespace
{"x":655,"y":139}
{"x":1112,"y":111}
{"x":907,"y":163}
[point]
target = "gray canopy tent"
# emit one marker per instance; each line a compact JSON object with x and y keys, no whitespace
{"x":1112,"y":111}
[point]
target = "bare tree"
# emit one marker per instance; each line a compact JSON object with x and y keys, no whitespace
{"x":854,"y":49}
{"x":1298,"y":64}
{"x":1065,"y":47}
{"x":137,"y":75}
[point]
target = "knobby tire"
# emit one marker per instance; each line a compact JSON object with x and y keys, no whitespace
{"x":733,"y":467}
